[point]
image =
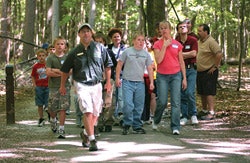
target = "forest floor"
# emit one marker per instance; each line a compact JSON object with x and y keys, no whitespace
{"x":225,"y":139}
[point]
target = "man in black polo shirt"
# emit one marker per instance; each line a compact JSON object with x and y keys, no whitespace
{"x":88,"y":60}
{"x":189,"y":51}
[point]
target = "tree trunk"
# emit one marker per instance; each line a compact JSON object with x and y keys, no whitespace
{"x":143,"y":18}
{"x":48,"y":13}
{"x":155,"y":14}
{"x":222,"y":38}
{"x":242,"y":41}
{"x":120,"y":13}
{"x":5,"y":31}
{"x":55,"y":19}
{"x":28,"y":36}
{"x":92,"y":12}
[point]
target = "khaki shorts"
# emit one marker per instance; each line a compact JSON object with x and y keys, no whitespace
{"x":89,"y":98}
{"x":58,"y":102}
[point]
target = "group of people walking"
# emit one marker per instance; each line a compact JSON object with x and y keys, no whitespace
{"x":117,"y":73}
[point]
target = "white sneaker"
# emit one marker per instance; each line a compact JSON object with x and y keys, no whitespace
{"x":194,"y":120}
{"x":61,"y":134}
{"x":154,"y":126}
{"x":176,"y":132}
{"x":183,"y":121}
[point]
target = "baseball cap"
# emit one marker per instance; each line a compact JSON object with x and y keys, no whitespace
{"x":85,"y":25}
{"x":45,"y":46}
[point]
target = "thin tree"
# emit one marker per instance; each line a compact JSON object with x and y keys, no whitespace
{"x":5,"y":31}
{"x":92,"y":12}
{"x":242,"y":41}
{"x":30,"y":8}
{"x":55,"y":19}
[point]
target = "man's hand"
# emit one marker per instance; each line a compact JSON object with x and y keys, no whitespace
{"x":211,"y":70}
{"x":184,"y":84}
{"x":118,"y":82}
{"x":62,"y":90}
{"x":151,"y":86}
{"x":108,"y":86}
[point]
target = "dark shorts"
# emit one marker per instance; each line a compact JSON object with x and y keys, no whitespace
{"x":42,"y":95}
{"x":206,"y":83}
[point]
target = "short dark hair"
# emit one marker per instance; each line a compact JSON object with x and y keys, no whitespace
{"x":99,"y":34}
{"x":205,"y":28}
{"x":181,"y":22}
{"x":113,"y":31}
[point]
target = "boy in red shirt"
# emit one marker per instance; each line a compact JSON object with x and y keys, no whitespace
{"x":40,"y":83}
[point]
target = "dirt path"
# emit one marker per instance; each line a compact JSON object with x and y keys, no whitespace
{"x":212,"y":141}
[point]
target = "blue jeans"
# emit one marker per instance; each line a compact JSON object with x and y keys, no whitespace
{"x":188,"y":99}
{"x":133,"y":95}
{"x":164,"y":83}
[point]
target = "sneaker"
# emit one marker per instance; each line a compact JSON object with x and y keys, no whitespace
{"x":149,"y":122}
{"x":154,"y":126}
{"x":125,"y":130}
{"x":53,"y":126}
{"x":194,"y":120}
{"x":176,"y":132}
{"x":183,"y":121}
{"x":208,"y":117}
{"x":85,"y":140}
{"x":202,"y":113}
{"x":61,"y":134}
{"x":139,"y":131}
{"x":67,"y":112}
{"x":41,"y":122}
{"x":93,"y":146}
{"x":116,"y":121}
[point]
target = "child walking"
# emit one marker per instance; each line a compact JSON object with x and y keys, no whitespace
{"x":40,"y":83}
{"x":57,"y":102}
{"x":134,"y":60}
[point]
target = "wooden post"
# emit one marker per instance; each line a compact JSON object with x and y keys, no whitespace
{"x":10,"y":110}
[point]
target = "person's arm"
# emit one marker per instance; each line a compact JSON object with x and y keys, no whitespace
{"x":183,"y":71}
{"x":190,"y":54}
{"x":64,"y":78}
{"x":53,"y":72}
{"x":218,"y":59}
{"x":107,"y":77}
{"x":151,"y":77}
{"x":159,"y":54}
{"x":217,"y":62}
{"x":118,"y":72}
{"x":33,"y":81}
